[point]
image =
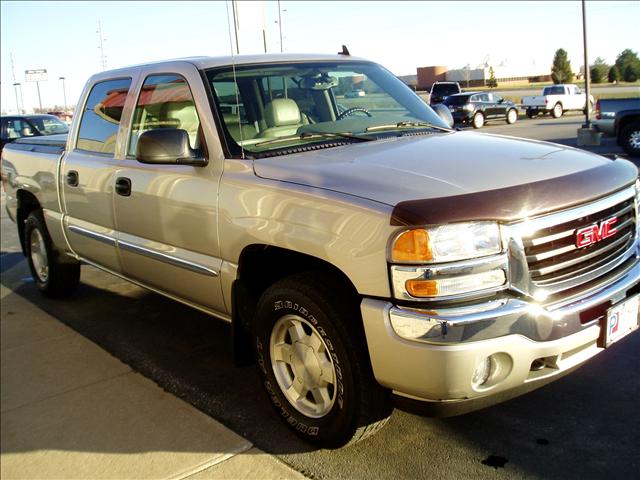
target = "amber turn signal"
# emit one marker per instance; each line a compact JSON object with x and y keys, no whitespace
{"x":412,"y":246}
{"x":422,"y":288}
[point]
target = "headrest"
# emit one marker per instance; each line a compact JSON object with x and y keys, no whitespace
{"x":282,"y":112}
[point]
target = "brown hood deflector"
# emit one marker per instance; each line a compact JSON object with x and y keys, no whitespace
{"x":521,"y":201}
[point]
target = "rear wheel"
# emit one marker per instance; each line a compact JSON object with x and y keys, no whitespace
{"x":531,"y":113}
{"x":557,"y":110}
{"x":478,"y":120}
{"x":313,"y":360}
{"x":630,"y":139}
{"x":52,"y":277}
{"x":512,"y":116}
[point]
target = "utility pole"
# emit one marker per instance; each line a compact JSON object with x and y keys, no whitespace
{"x":280,"y":26}
{"x":235,"y":24}
{"x":587,"y":72}
{"x":64,"y":94}
{"x":15,"y":84}
{"x":103,"y":57}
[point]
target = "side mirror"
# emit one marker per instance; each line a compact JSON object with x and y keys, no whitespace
{"x":167,"y":146}
{"x":501,"y":100}
{"x":444,"y":114}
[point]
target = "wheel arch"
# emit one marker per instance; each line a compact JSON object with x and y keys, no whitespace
{"x":259,"y":267}
{"x":27,"y":203}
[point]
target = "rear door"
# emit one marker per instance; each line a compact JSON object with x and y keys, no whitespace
{"x":167,"y":220}
{"x":87,"y":173}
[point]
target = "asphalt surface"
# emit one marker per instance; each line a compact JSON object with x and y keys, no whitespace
{"x":582,"y":426}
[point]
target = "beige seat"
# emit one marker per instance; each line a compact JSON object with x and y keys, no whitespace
{"x":236,"y":128}
{"x":185,"y":116}
{"x":283,"y":118}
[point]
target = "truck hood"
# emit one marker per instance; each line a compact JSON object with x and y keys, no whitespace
{"x":410,"y":170}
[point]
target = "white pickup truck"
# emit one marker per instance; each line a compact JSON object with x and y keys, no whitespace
{"x":556,"y":99}
{"x":361,"y":259}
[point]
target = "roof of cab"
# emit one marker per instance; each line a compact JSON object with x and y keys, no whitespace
{"x":211,"y":62}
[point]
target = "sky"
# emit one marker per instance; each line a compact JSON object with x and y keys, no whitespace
{"x":62,"y":37}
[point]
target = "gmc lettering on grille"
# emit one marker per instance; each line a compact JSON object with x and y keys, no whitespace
{"x":594,"y":233}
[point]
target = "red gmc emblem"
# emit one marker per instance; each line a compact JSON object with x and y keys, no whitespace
{"x":594,"y":233}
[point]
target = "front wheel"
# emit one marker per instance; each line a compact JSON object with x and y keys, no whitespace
{"x":478,"y":120}
{"x":53,"y":277}
{"x":557,"y":110}
{"x":630,"y":139}
{"x":512,"y":116}
{"x":314,"y":364}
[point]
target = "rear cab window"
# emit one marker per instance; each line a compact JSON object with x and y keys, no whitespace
{"x":101,"y":116}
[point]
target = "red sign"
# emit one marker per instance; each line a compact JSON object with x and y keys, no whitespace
{"x":594,"y":233}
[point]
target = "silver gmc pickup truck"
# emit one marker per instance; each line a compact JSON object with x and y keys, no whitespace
{"x":367,"y":255}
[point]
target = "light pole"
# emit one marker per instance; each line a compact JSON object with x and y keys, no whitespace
{"x":64,"y":94}
{"x":15,"y":88}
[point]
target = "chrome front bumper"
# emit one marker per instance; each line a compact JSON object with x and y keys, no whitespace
{"x":439,"y":365}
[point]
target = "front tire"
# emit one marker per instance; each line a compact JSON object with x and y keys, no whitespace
{"x":478,"y":120}
{"x":52,"y":277}
{"x":557,"y":110}
{"x":512,"y":116}
{"x":314,"y":364}
{"x":630,"y":139}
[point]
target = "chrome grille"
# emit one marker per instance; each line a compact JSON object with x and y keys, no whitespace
{"x":554,"y":260}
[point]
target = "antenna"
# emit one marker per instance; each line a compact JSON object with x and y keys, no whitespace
{"x":233,"y":66}
{"x":103,"y":57}
{"x":345,"y":51}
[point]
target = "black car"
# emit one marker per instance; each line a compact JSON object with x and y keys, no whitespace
{"x":441,"y":90}
{"x":476,"y":108}
{"x":13,"y":127}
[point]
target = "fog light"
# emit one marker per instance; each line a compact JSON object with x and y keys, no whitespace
{"x":483,"y":372}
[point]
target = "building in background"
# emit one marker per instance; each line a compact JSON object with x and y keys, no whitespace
{"x":478,"y":77}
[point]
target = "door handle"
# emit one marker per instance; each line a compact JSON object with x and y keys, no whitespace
{"x":73,"y":179}
{"x":123,"y":186}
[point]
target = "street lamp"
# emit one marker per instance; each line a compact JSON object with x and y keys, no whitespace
{"x":15,"y":89}
{"x":64,"y":94}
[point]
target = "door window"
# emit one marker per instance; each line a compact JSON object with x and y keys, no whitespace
{"x":101,"y":116}
{"x":165,"y":101}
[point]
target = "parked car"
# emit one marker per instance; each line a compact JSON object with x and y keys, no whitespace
{"x":620,"y":118}
{"x":441,"y":90}
{"x":13,"y":127}
{"x":556,"y":99}
{"x":476,"y":108}
{"x":365,"y":259}
{"x":355,"y":93}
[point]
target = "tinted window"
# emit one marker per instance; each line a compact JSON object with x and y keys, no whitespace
{"x":553,"y":91}
{"x":165,"y":101}
{"x":445,"y":89}
{"x":101,"y":116}
{"x":456,"y":100}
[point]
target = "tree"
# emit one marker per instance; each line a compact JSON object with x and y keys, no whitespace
{"x":492,"y":82}
{"x":628,"y":58}
{"x":614,"y":74}
{"x":599,"y":70}
{"x":561,"y":69}
{"x":631,"y":73}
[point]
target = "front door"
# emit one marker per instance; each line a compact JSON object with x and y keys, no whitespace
{"x":166,"y":215}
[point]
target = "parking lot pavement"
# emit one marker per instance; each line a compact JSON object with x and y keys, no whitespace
{"x":71,"y":410}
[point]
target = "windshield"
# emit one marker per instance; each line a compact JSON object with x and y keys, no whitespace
{"x":48,"y":125}
{"x":304,"y":103}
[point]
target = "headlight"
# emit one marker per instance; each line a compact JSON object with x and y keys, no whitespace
{"x":447,"y":243}
{"x":468,"y":107}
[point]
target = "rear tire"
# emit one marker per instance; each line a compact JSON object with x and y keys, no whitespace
{"x":531,"y":113}
{"x":314,"y":363}
{"x":630,"y":139}
{"x":512,"y":116}
{"x":52,"y":277}
{"x":557,"y":110}
{"x":478,"y":120}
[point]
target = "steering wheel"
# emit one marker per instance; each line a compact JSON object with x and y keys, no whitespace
{"x":351,"y":111}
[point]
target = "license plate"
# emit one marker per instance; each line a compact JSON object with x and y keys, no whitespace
{"x":622,"y":319}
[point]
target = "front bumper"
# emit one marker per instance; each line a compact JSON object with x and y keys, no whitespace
{"x":439,"y":368}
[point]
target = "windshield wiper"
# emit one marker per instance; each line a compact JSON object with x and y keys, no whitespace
{"x":312,"y":135}
{"x":407,"y":124}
